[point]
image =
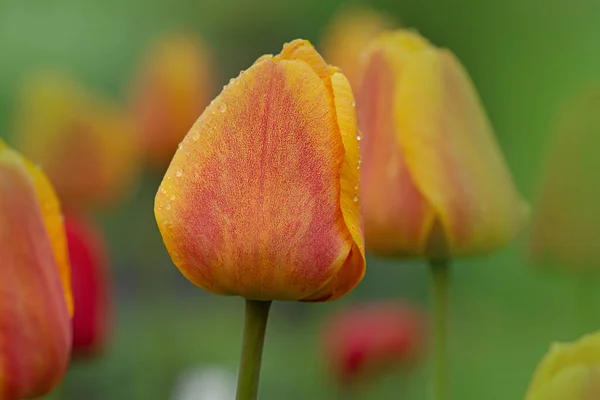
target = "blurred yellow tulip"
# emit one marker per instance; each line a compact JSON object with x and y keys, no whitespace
{"x":434,"y":181}
{"x":566,"y":221}
{"x":174,"y":84}
{"x":87,"y":146}
{"x":569,"y":372}
{"x":347,"y":36}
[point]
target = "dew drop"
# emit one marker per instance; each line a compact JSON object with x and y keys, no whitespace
{"x":355,"y":198}
{"x":172,"y":197}
{"x":359,"y":135}
{"x":222,"y":107}
{"x":353,"y":103}
{"x":179,"y":173}
{"x":163,"y":190}
{"x":180,"y":145}
{"x":231,"y":80}
{"x":168,"y":206}
{"x":358,"y":162}
{"x":195,"y":136}
{"x":356,"y":186}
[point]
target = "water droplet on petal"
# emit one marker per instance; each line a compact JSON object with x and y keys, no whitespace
{"x":353,"y":103}
{"x":359,"y":135}
{"x":231,"y":80}
{"x":180,"y":145}
{"x":222,"y":107}
{"x":168,"y":206}
{"x":355,"y":198}
{"x":356,"y":186}
{"x":195,"y":136}
{"x":358,"y":162}
{"x":172,"y":197}
{"x":179,"y":173}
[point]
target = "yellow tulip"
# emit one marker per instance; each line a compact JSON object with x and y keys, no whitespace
{"x":566,"y":221}
{"x":86,"y":145}
{"x":569,"y":372}
{"x":350,"y":32}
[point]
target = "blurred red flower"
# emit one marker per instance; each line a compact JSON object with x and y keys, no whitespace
{"x":90,"y":285}
{"x":365,"y":340}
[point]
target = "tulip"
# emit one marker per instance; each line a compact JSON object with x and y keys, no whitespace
{"x":434,"y":182}
{"x":175,"y":84}
{"x":260,"y":199}
{"x":366,"y":340}
{"x":566,"y":221}
{"x":35,"y":298}
{"x":87,"y":147}
{"x":569,"y":371}
{"x":90,"y":286}
{"x":349,"y":34}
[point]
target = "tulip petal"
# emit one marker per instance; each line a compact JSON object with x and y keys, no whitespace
{"x":255,"y":214}
{"x":35,"y":336}
{"x":585,"y":352}
{"x":399,"y":216}
{"x":451,"y":152}
{"x":51,"y":211}
{"x":354,"y":269}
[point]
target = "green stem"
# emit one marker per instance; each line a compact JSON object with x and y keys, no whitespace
{"x":584,"y":301}
{"x":440,"y":271}
{"x":257,"y":313}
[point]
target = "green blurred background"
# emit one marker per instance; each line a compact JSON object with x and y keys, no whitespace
{"x":526,"y":58}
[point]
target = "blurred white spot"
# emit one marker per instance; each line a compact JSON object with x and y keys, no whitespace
{"x":213,"y":383}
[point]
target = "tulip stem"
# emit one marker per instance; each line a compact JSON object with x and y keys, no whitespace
{"x":440,"y":271}
{"x":255,"y":324}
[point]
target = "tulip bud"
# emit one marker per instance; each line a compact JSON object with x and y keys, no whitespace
{"x":87,"y":147}
{"x":566,"y":221}
{"x":175,"y":84}
{"x":569,"y":371}
{"x":35,"y":293}
{"x":434,"y":180}
{"x":363,"y":341}
{"x":90,"y":286}
{"x":260,"y":199}
{"x":349,"y":34}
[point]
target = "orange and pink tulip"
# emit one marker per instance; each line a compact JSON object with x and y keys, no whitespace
{"x":35,"y":291}
{"x":261,"y":198}
{"x":434,"y":181}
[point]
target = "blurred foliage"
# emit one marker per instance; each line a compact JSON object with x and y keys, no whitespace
{"x":525,"y":57}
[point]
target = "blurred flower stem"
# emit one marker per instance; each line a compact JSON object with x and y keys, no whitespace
{"x":584,"y":302}
{"x":257,"y":313}
{"x":440,"y":271}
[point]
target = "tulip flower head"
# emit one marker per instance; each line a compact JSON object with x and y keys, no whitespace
{"x":174,"y":86}
{"x":90,"y":286}
{"x":87,"y":146}
{"x":363,"y":341}
{"x":261,"y":198}
{"x":569,"y":371}
{"x":350,"y":32}
{"x":566,"y":221}
{"x":434,"y":182}
{"x":35,"y":292}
